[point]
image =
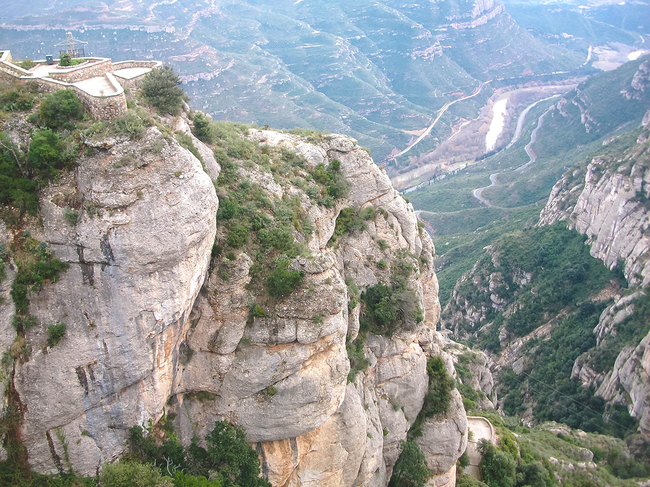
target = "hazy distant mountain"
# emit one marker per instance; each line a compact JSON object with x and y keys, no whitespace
{"x":377,"y":70}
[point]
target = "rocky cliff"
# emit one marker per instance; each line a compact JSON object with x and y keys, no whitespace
{"x":608,"y":201}
{"x":161,"y":321}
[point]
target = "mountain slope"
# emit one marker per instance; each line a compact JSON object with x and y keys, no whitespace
{"x":375,"y":70}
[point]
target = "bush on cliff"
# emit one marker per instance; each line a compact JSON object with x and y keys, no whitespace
{"x":60,"y":108}
{"x":438,"y":397}
{"x":499,"y":469}
{"x":228,"y":460}
{"x":411,"y":468}
{"x":282,"y":280}
{"x":160,"y":87}
{"x":389,"y":308}
{"x":133,"y":474}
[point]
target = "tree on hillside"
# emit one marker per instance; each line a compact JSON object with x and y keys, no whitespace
{"x":411,"y":468}
{"x":160,"y":87}
{"x":499,"y":469}
{"x":61,"y":108}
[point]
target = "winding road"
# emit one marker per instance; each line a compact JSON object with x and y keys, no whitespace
{"x":533,"y":138}
{"x":522,"y":119}
{"x":441,"y":112}
{"x":478,"y":192}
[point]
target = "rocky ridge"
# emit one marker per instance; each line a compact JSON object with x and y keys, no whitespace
{"x":154,"y":328}
{"x":607,"y":201}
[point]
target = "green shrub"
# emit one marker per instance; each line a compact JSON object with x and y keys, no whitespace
{"x":19,"y":98}
{"x":228,"y":455}
{"x":71,"y":216}
{"x":237,"y":236}
{"x":35,"y":265}
{"x":411,"y":468}
{"x":65,"y":60}
{"x":463,"y":461}
{"x":228,"y":208}
{"x":350,"y":220}
{"x":282,"y":280}
{"x":60,"y":108}
{"x":466,"y":480}
{"x":257,"y":311}
{"x":160,"y":87}
{"x":16,"y":187}
{"x":388,"y":308}
{"x":46,"y":154}
{"x":131,"y":124}
{"x":497,"y":467}
{"x":55,"y":334}
{"x":26,"y":63}
{"x":357,"y":360}
{"x":183,"y":480}
{"x":132,"y":474}
{"x":336,"y":186}
{"x":438,"y":396}
{"x":280,"y":238}
{"x":533,"y":474}
{"x":186,"y":141}
{"x":203,"y":129}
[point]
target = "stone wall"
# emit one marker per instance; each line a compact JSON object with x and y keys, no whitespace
{"x":105,"y":108}
{"x":12,"y":69}
{"x":130,"y":84}
{"x":82,"y":72}
{"x":136,"y":64}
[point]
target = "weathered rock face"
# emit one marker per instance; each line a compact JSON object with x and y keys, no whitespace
{"x":284,"y":376}
{"x":609,"y":207}
{"x":607,"y":201}
{"x":138,"y":254}
{"x":153,"y":322}
{"x":443,"y":441}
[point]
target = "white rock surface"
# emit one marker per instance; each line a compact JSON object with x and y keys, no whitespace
{"x":136,"y":267}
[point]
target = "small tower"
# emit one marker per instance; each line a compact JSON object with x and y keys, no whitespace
{"x":73,"y":47}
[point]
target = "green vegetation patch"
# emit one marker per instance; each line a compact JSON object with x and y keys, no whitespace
{"x":388,"y":308}
{"x":411,"y":468}
{"x":35,"y":266}
{"x":227,"y":459}
{"x":161,"y":89}
{"x":563,"y":273}
{"x":61,"y":109}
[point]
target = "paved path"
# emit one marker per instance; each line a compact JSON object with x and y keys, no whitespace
{"x":130,"y":73}
{"x":478,"y":192}
{"x":97,"y":86}
{"x":481,"y":429}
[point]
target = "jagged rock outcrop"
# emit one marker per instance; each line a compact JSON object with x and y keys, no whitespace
{"x":155,"y":325}
{"x":608,"y":201}
{"x":283,"y":376}
{"x":137,"y":255}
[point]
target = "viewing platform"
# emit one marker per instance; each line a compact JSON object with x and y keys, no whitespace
{"x":98,"y":82}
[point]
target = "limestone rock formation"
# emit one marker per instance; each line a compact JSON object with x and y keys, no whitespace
{"x":607,"y":201}
{"x":285,"y":377}
{"x":137,"y":255}
{"x":158,"y":322}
